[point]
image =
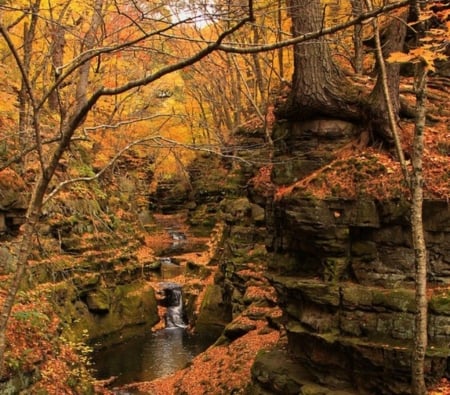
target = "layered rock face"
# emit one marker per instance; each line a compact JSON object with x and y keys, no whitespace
{"x":344,"y":273}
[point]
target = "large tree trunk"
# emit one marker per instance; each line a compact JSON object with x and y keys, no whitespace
{"x":319,"y":88}
{"x":393,"y":40}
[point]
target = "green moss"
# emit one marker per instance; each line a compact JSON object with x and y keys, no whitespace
{"x":354,"y":296}
{"x":313,"y":290}
{"x":396,"y":300}
{"x":440,"y":303}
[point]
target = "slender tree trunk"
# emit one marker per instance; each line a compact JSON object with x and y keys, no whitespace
{"x":418,"y":386}
{"x":88,"y":43}
{"x":39,"y":191}
{"x":57,"y":55}
{"x":391,"y":112}
{"x":260,"y":82}
{"x":280,"y":51}
{"x":415,"y":182}
{"x":25,"y":112}
{"x":26,"y":245}
{"x":357,"y":9}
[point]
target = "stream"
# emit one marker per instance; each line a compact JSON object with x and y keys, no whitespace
{"x":161,"y":353}
{"x":148,"y":357}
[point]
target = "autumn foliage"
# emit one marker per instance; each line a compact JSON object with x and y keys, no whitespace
{"x":57,"y":57}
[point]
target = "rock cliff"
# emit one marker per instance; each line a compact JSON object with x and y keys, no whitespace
{"x":343,"y":268}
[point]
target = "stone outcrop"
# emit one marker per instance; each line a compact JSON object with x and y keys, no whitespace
{"x":302,"y":147}
{"x":100,"y":290}
{"x":92,"y":259}
{"x":13,"y":201}
{"x":214,"y":313}
{"x":344,"y":274}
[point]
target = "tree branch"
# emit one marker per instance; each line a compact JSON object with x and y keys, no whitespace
{"x":363,"y":17}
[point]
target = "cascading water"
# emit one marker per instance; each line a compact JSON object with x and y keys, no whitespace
{"x":154,"y":354}
{"x":157,"y":353}
{"x":173,"y":299}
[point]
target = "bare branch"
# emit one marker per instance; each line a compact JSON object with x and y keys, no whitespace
{"x":238,"y":48}
{"x":129,"y":122}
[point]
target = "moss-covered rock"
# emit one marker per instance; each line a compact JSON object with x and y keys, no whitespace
{"x":99,"y":301}
{"x":440,"y":303}
{"x":105,"y":311}
{"x":214,"y":313}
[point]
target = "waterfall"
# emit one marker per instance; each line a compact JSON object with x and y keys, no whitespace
{"x":174,"y":304}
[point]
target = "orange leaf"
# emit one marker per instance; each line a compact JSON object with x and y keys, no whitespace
{"x":399,"y":57}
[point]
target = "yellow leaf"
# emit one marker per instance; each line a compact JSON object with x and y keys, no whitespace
{"x":399,"y":57}
{"x":425,"y":15}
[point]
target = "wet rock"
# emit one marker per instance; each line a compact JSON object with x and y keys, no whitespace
{"x":214,"y":313}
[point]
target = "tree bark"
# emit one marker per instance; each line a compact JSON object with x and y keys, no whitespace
{"x":37,"y":198}
{"x":280,"y":50}
{"x":418,"y":386}
{"x":24,"y":100}
{"x":319,"y":88}
{"x":357,"y":9}
{"x":393,"y":40}
{"x":57,"y":55}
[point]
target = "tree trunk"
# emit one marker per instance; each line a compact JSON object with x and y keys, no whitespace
{"x":26,"y":245}
{"x":29,"y":32}
{"x":280,"y":51}
{"x":319,"y":87}
{"x":357,"y":9}
{"x":260,"y":89}
{"x":40,"y":189}
{"x":421,"y":335}
{"x":57,"y":53}
{"x":393,"y":40}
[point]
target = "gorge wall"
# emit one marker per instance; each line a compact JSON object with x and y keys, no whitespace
{"x":341,"y":265}
{"x":343,"y":269}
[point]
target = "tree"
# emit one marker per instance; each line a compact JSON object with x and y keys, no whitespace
{"x":88,"y":55}
{"x":392,"y":39}
{"x":423,"y":56}
{"x":321,"y":89}
{"x":80,"y":86}
{"x":357,"y":9}
{"x":318,"y":88}
{"x":418,"y":386}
